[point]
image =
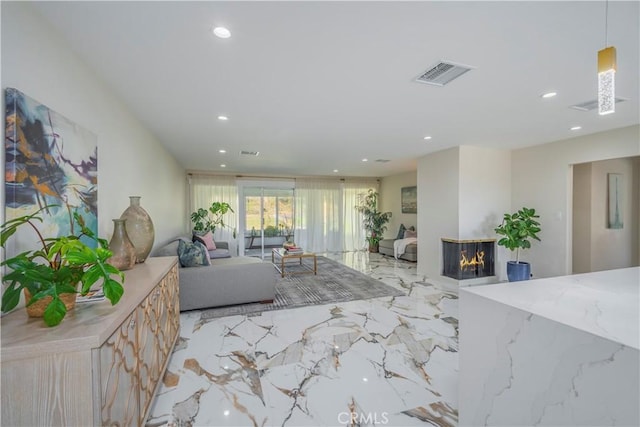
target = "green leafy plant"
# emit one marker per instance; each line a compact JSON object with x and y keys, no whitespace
{"x":374,"y":221}
{"x":209,"y":219}
{"x":517,"y":229}
{"x":271,"y":231}
{"x":57,"y":267}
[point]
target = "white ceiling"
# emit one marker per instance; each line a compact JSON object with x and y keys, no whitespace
{"x":318,"y":86}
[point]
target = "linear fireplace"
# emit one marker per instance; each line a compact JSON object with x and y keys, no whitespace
{"x":468,"y":259}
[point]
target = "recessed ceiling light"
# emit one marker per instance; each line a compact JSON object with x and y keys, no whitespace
{"x":549,"y":95}
{"x":576,"y":128}
{"x":223,"y":118}
{"x":222,"y":151}
{"x":427,"y":137}
{"x":365,"y":160}
{"x":223,"y":166}
{"x":335,"y":171}
{"x":222,"y":32}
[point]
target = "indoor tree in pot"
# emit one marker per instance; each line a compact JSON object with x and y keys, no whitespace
{"x":209,"y":219}
{"x":53,"y":271}
{"x":374,"y":221}
{"x":517,"y":229}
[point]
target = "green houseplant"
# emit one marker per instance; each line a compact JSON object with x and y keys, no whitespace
{"x":374,"y":221}
{"x":517,"y":228}
{"x":209,"y":219}
{"x":57,"y":267}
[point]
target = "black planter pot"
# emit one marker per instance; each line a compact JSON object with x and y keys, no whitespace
{"x":518,"y":271}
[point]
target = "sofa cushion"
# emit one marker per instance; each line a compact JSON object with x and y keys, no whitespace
{"x":237,"y":260}
{"x":219,"y":253}
{"x":206,"y":239}
{"x":401,"y":232}
{"x":410,"y":234}
{"x":169,"y":249}
{"x":192,"y":254}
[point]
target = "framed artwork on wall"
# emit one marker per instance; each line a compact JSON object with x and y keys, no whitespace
{"x":409,"y":199}
{"x":615,"y":202}
{"x":49,"y":161}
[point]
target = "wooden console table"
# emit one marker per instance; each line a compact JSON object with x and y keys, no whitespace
{"x":102,"y":364}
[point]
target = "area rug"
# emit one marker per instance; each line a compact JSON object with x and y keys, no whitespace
{"x":334,"y":283}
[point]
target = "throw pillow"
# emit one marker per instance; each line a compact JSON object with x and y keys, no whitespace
{"x":206,"y":239}
{"x":401,"y":232}
{"x":409,"y":233}
{"x":192,"y":254}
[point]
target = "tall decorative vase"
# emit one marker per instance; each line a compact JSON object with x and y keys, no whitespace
{"x":139,"y":228}
{"x":124,"y":253}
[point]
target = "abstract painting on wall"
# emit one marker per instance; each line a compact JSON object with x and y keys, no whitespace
{"x":49,"y":161}
{"x":616,"y":207}
{"x":409,"y":199}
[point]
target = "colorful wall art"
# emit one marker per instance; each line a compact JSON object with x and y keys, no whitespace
{"x":49,"y":161}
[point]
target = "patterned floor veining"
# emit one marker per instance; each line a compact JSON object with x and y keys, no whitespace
{"x":387,"y":361}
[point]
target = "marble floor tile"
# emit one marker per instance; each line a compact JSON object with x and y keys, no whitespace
{"x":384,"y":361}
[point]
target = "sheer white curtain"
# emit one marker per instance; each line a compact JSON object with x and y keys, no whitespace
{"x":206,"y":189}
{"x":326,"y":217}
{"x":353,"y":231}
{"x":318,"y":215}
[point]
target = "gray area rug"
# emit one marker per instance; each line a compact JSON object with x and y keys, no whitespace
{"x":334,"y":282}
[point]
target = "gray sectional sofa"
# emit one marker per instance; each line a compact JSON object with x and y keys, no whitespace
{"x":385,"y":247}
{"x":227,"y":281}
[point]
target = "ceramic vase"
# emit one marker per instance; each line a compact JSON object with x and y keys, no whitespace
{"x":124,"y":252}
{"x":139,"y":228}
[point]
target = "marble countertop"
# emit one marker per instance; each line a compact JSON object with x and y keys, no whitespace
{"x":605,"y":303}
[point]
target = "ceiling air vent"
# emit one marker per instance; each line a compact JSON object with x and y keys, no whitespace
{"x":382,"y":160}
{"x":249,"y":153}
{"x":591,"y":105}
{"x":442,"y":73}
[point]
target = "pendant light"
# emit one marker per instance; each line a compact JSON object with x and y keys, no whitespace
{"x":606,"y":74}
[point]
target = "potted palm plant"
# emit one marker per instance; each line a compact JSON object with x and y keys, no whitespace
{"x":517,"y":228}
{"x":50,"y":275}
{"x":374,"y":221}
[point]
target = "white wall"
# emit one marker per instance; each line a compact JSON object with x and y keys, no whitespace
{"x":38,"y":62}
{"x":438,"y":178}
{"x":485,"y":191}
{"x":542,"y":178}
{"x":484,"y":197}
{"x":636,"y":212}
{"x":390,"y":191}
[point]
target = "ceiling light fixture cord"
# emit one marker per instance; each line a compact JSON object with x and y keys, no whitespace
{"x":606,"y":22}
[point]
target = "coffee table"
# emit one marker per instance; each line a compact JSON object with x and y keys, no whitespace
{"x":279,"y":256}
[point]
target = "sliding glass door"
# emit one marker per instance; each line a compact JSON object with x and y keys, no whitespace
{"x":266,"y":215}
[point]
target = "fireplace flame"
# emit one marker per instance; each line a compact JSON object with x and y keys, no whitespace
{"x":473,"y":263}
